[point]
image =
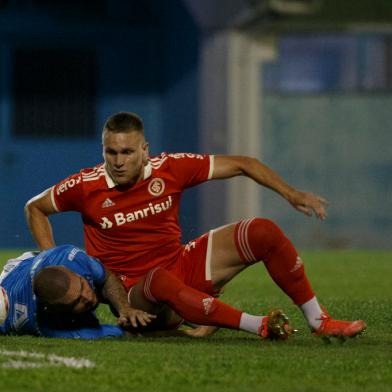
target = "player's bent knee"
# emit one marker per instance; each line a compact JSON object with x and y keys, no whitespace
{"x":256,"y":238}
{"x":268,"y":231}
{"x":141,"y":297}
{"x":157,"y":281}
{"x":137,"y":300}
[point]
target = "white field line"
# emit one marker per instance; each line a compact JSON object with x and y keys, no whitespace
{"x":11,"y":364}
{"x":41,"y":360}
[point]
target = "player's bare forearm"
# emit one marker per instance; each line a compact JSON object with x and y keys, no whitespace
{"x":114,"y":293}
{"x":231,"y":166}
{"x":41,"y":230}
{"x":36,"y":212}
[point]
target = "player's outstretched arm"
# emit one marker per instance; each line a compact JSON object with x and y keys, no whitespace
{"x":231,"y":166}
{"x":114,"y":294}
{"x":37,"y":211}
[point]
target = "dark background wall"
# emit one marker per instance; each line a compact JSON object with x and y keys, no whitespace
{"x":64,"y":68}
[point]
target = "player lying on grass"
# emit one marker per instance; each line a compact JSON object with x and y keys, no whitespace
{"x":130,"y":204}
{"x":54,"y":293}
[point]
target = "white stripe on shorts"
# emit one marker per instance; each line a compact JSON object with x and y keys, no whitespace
{"x":208,"y":255}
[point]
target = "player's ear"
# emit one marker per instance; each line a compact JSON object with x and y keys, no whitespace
{"x":145,"y":153}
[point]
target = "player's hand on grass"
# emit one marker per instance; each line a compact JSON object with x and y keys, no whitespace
{"x":134,"y":318}
{"x":309,"y":203}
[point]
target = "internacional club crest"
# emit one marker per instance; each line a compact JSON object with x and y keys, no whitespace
{"x":156,"y":186}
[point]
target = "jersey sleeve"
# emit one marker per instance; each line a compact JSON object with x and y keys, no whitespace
{"x":191,"y":169}
{"x":67,"y":195}
{"x":101,"y":331}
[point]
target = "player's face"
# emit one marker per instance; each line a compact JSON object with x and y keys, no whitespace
{"x":125,"y":156}
{"x":80,"y":297}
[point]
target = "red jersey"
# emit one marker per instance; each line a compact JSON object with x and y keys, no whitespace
{"x":134,"y":230}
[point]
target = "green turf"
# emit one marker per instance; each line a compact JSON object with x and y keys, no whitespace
{"x":351,"y":284}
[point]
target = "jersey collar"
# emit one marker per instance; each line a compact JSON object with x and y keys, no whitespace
{"x":111,"y":184}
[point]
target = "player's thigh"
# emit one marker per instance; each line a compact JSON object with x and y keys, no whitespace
{"x":167,"y":318}
{"x":225,"y":259}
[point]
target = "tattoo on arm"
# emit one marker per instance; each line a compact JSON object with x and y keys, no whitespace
{"x":113,"y":292}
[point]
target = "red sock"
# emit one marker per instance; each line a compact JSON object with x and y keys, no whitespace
{"x":194,"y":306}
{"x":261,"y":239}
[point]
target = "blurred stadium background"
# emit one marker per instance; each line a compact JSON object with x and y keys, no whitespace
{"x":305,"y":85}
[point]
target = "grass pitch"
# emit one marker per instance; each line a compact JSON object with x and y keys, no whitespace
{"x":350,"y":284}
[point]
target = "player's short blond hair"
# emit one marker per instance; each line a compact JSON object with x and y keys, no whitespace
{"x":123,"y":122}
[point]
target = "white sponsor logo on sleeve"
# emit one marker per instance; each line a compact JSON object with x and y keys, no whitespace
{"x":68,"y":184}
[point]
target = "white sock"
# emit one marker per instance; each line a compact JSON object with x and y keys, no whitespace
{"x":250,"y":323}
{"x":312,"y":312}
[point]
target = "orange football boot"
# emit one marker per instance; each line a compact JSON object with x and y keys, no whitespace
{"x":338,"y":328}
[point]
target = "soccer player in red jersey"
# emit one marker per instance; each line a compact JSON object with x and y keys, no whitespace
{"x":129,"y":206}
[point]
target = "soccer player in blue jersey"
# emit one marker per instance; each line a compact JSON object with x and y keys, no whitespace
{"x":54,"y":293}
